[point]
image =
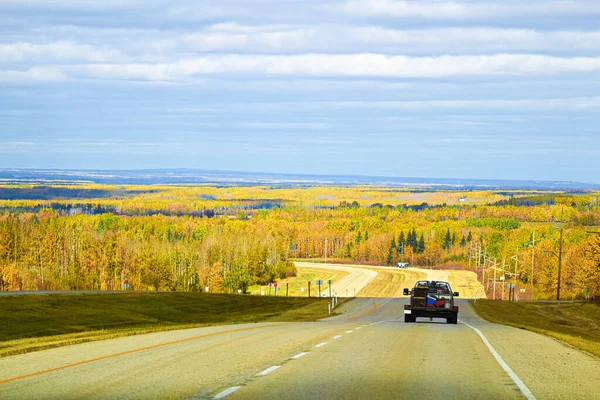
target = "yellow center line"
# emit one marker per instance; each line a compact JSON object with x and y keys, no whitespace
{"x":363,"y":315}
{"x":47,"y":371}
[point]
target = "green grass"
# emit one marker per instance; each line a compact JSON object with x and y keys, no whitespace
{"x":576,"y":323}
{"x":35,"y":322}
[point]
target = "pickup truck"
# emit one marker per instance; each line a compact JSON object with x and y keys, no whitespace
{"x":431,"y":299}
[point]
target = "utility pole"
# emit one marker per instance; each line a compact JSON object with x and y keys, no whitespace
{"x":515,"y":274}
{"x":503,"y":277}
{"x":494,"y":279}
{"x":532,"y":244}
{"x":484,"y":262}
{"x":559,"y":256}
{"x":478,"y":254}
{"x":532,"y":261}
{"x":470,"y":253}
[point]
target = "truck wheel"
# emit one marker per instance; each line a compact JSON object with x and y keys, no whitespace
{"x":408,"y":318}
{"x":449,"y":320}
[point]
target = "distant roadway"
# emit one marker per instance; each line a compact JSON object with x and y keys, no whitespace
{"x":366,"y":352}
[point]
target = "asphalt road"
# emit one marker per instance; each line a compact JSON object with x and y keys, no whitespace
{"x":356,"y":280}
{"x":366,"y":352}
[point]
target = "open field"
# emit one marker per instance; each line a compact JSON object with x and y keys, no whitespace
{"x":464,"y":282}
{"x":304,"y":275}
{"x":576,"y":323}
{"x":37,"y":322}
{"x":390,"y":282}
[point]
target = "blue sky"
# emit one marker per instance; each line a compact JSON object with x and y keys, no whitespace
{"x":463,"y":89}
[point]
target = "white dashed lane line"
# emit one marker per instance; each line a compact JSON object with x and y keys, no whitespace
{"x":269,"y":370}
{"x":227,"y":392}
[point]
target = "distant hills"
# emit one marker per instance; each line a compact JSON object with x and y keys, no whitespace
{"x":190,"y":176}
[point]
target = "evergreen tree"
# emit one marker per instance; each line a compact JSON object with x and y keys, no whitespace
{"x":412,"y":239}
{"x":390,"y":256}
{"x":421,"y":245}
{"x":401,"y":243}
{"x":469,"y":237}
{"x":358,"y":237}
{"x":393,"y":242}
{"x":366,"y":235}
{"x":463,"y":241}
{"x":447,"y":241}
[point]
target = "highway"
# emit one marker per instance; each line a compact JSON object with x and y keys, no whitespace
{"x":365,"y":352}
{"x":357,"y":279}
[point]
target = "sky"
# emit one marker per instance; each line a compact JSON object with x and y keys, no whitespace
{"x":497,"y":89}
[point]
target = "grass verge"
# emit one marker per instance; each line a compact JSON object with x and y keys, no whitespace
{"x":576,"y":323}
{"x":37,"y":322}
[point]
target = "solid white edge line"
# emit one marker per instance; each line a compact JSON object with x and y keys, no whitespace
{"x":321,"y":344}
{"x":524,"y":389}
{"x":297,"y":356}
{"x":227,"y":392}
{"x":358,"y":327}
{"x":268,"y":370}
{"x":350,"y":331}
{"x":337,"y":336}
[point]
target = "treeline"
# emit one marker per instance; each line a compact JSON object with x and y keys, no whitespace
{"x":49,"y":252}
{"x":70,"y":209}
{"x":49,"y":249}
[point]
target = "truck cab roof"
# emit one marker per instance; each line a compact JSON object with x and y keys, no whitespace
{"x":434,"y":286}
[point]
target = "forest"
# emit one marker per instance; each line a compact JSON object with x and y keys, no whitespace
{"x":227,"y":238}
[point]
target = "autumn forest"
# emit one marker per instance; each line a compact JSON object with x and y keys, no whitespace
{"x":229,"y":237}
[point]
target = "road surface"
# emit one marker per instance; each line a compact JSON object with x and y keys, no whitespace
{"x":367,"y":352}
{"x":356,"y":280}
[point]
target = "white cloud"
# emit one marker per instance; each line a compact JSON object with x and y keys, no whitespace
{"x":35,"y":74}
{"x":61,"y":51}
{"x":453,"y":106}
{"x":352,"y":65}
{"x":571,"y":103}
{"x":454,"y":10}
{"x":152,"y":46}
{"x":72,"y":4}
{"x":285,"y":125}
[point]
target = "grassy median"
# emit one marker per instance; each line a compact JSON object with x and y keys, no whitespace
{"x":576,"y":323}
{"x":36,"y":322}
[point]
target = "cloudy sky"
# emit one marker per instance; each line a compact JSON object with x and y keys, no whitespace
{"x":420,"y":88}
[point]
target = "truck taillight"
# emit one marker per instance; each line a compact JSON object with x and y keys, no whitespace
{"x":407,"y":306}
{"x":455,"y":308}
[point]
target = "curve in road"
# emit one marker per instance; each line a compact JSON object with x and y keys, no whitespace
{"x":351,"y":284}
